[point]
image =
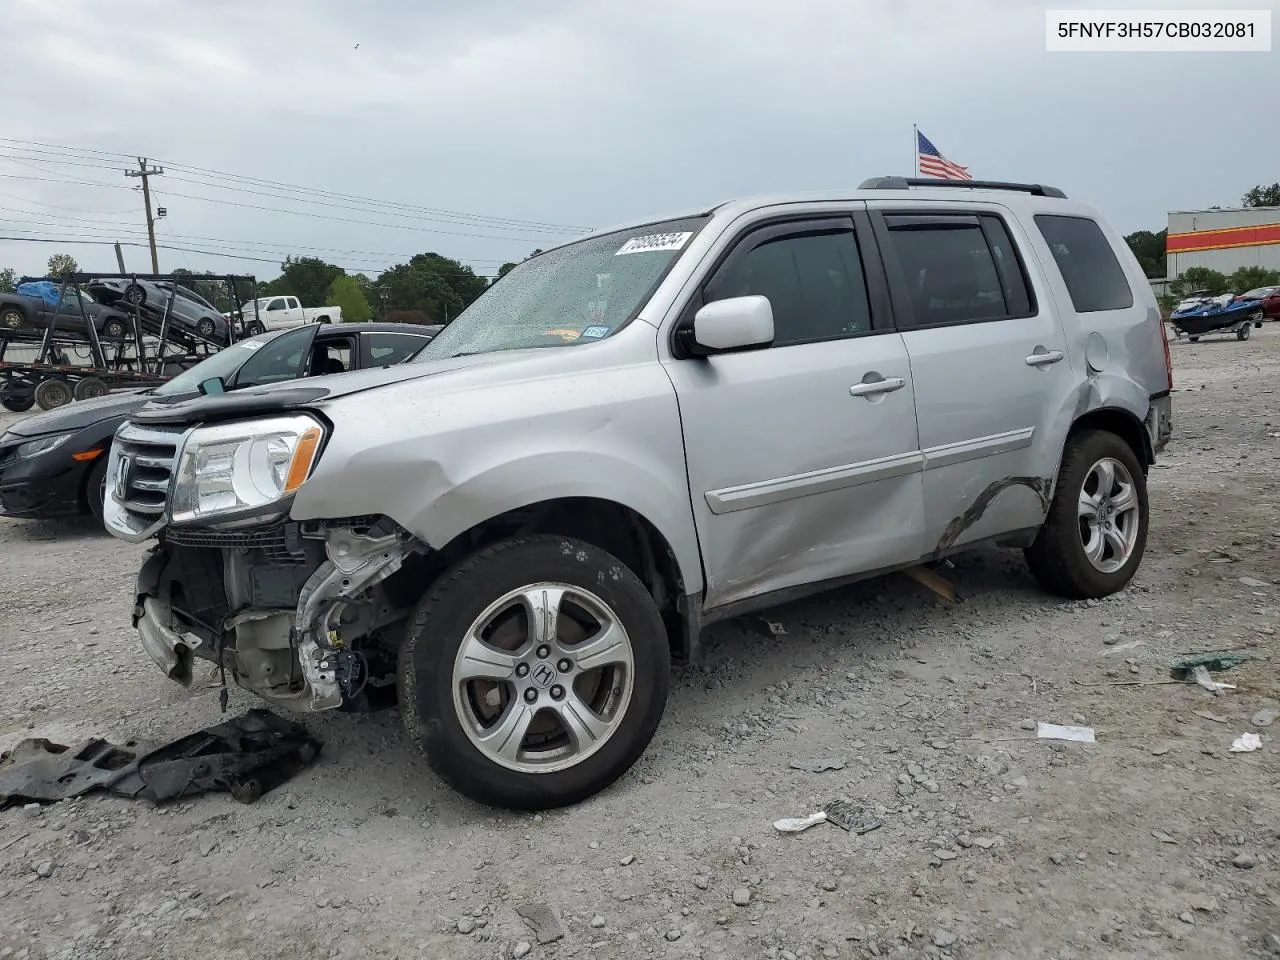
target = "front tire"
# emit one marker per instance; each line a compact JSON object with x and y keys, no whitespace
{"x":115,"y":329}
{"x":534,"y":673}
{"x":206,"y":328}
{"x":1244,"y":330}
{"x":95,"y":488}
{"x":17,"y":404}
{"x":253,"y":328}
{"x":1096,"y":533}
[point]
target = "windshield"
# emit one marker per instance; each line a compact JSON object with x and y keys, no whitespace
{"x":578,"y":293}
{"x":1258,"y":293}
{"x":222,"y":364}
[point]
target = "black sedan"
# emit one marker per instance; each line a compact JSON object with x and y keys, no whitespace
{"x":33,"y":314}
{"x":54,"y":464}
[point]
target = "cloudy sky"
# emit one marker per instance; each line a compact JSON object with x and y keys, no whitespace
{"x":485,"y":130}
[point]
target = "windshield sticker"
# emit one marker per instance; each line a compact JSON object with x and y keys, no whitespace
{"x":655,"y":241}
{"x":251,"y":344}
{"x":595,"y":332}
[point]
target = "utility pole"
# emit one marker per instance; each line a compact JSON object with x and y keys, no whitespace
{"x":144,"y":172}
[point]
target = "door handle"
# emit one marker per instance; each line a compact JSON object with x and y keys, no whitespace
{"x":1045,"y":358}
{"x":870,"y":388}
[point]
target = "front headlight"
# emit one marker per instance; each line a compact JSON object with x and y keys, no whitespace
{"x":35,"y":447}
{"x":232,"y":467}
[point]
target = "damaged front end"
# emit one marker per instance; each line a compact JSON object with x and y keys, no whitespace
{"x":298,"y":613}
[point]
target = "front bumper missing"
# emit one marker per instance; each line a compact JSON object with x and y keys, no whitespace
{"x":297,"y":659}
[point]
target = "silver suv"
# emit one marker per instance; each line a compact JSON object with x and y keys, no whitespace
{"x":644,"y":431}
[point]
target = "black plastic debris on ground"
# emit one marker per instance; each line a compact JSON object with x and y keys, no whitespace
{"x":247,"y":756}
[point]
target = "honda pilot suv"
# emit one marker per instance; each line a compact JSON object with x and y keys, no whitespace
{"x":639,"y":433}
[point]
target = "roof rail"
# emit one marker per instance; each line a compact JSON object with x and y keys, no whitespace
{"x":905,"y":183}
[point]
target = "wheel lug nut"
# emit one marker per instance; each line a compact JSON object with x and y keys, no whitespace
{"x":531,"y":695}
{"x":564,"y":666}
{"x":522,"y":670}
{"x":557,"y":692}
{"x":543,"y":652}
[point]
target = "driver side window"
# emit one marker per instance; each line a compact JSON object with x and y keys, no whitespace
{"x":811,"y":277}
{"x":274,"y":362}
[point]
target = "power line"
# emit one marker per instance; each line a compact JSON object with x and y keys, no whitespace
{"x":279,"y":185}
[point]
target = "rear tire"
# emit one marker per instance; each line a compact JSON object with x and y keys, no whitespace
{"x":51,"y":394}
{"x":206,"y":327}
{"x":1059,"y":557}
{"x":135,"y":295}
{"x":252,"y":329}
{"x":11,"y":318}
{"x":114,"y":329}
{"x":450,"y":705}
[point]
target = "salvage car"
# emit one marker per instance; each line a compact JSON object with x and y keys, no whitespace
{"x":190,"y":311}
{"x":1268,"y":298}
{"x":519,"y":530}
{"x":38,"y":304}
{"x":54,"y":464}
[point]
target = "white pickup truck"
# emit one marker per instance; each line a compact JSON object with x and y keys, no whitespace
{"x":281,"y":313}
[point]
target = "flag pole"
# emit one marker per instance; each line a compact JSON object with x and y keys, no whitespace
{"x":915,"y":150}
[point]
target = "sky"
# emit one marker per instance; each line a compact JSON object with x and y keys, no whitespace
{"x":483,"y":131}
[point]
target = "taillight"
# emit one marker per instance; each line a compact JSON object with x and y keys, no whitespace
{"x":1168,"y":359}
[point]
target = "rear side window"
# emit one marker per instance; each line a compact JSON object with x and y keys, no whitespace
{"x":1094,"y":278}
{"x":388,"y":348}
{"x":813,"y":281}
{"x":958,"y":268}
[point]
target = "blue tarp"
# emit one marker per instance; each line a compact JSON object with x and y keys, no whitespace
{"x":45,"y":290}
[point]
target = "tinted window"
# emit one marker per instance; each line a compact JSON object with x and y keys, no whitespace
{"x":388,"y":348}
{"x":276,"y":304}
{"x":1094,"y":278}
{"x":275,"y":361}
{"x":331,"y":356}
{"x":813,"y":282}
{"x":958,"y":269}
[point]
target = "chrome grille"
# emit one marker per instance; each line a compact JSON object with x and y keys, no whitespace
{"x":147,"y":458}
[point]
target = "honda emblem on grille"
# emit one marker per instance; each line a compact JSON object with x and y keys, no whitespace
{"x":122,"y":478}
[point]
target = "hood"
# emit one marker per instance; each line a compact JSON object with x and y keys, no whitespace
{"x":316,"y":391}
{"x":80,"y":414}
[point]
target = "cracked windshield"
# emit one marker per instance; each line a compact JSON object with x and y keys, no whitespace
{"x":575,"y":294}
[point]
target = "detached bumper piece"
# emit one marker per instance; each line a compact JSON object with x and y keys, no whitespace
{"x":248,"y":756}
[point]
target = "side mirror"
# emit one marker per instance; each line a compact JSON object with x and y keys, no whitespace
{"x":738,"y":323}
{"x":212,"y":385}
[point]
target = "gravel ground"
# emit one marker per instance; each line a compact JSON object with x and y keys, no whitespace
{"x":1154,"y":841}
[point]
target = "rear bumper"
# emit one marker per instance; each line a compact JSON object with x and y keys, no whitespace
{"x":1160,"y":422}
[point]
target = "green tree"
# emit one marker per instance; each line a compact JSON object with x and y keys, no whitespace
{"x":61,"y":263}
{"x":438,"y":286}
{"x":505,"y":269}
{"x":1149,"y":248}
{"x":1263,"y":196}
{"x":1247,"y":278}
{"x":1200,"y":278}
{"x":307,"y":278}
{"x":345,"y":293}
{"x":8,"y":280}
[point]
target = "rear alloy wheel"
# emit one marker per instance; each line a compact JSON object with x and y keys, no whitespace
{"x":89,"y":388}
{"x":51,"y":394}
{"x":114,"y":329}
{"x":1096,"y":532}
{"x":11,"y":318}
{"x":535,"y":672}
{"x":135,"y":295}
{"x":206,"y":327}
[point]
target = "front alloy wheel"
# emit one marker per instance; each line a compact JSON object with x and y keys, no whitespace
{"x":535,"y":672}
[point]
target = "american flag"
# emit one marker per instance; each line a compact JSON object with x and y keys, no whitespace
{"x":933,"y":164}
